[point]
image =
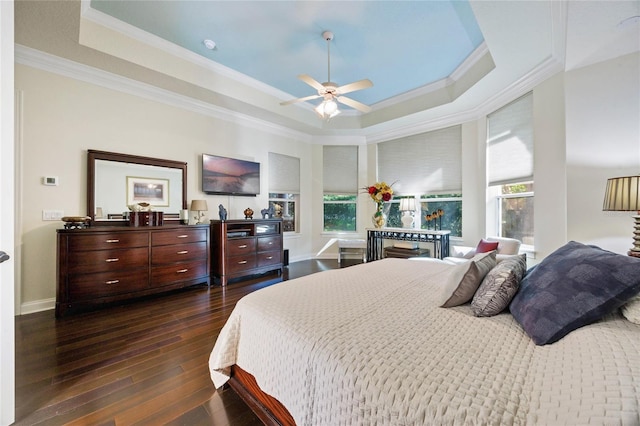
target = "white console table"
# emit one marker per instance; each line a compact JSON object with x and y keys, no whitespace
{"x":376,"y":237}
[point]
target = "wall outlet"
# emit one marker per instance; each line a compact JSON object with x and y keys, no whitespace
{"x":52,"y":214}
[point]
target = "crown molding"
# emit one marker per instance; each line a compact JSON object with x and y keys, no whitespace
{"x":44,"y":61}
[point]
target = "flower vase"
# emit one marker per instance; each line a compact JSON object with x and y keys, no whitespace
{"x":379,"y":218}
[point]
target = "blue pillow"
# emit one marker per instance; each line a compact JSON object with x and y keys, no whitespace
{"x":572,"y":287}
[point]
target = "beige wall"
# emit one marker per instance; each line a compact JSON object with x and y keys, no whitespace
{"x":63,"y":117}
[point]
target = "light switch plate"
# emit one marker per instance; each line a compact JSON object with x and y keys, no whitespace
{"x":52,"y":214}
{"x":50,"y":180}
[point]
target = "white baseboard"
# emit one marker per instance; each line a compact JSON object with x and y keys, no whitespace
{"x":37,"y":306}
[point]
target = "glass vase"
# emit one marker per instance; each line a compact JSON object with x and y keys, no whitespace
{"x":379,"y":218}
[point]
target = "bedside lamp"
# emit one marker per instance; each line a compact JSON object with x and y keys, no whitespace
{"x":407,"y":206}
{"x":623,"y":195}
{"x":199,"y":206}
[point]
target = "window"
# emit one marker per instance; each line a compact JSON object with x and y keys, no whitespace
{"x":510,"y":168}
{"x":285,"y":207}
{"x":428,"y":167}
{"x":515,"y":211}
{"x":450,"y":204}
{"x":340,"y":188}
{"x":284,"y":189}
{"x":339,"y":213}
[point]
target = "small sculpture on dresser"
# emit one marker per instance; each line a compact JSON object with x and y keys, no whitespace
{"x":222,"y":212}
{"x":268,"y":213}
{"x":248,"y":213}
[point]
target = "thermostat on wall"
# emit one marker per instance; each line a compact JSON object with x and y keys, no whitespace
{"x":50,"y":180}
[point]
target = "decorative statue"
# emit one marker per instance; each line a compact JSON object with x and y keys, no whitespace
{"x":268,"y":213}
{"x":222,"y":212}
{"x":248,"y":213}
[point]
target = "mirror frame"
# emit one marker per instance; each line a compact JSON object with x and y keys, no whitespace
{"x":93,"y":155}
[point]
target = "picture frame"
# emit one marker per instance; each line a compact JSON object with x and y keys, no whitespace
{"x":147,"y":190}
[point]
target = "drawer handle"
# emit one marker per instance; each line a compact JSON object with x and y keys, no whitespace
{"x":112,"y":282}
{"x":243,"y":246}
{"x":183,"y":252}
{"x":269,"y":257}
{"x":270,"y":243}
{"x":113,"y":241}
{"x":181,"y":271}
{"x":242,"y":262}
{"x":183,"y":236}
{"x":113,"y":259}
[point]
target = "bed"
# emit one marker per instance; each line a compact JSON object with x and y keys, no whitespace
{"x":372,"y":344}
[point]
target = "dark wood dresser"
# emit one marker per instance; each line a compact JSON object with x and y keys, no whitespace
{"x":245,"y":247}
{"x":112,"y":263}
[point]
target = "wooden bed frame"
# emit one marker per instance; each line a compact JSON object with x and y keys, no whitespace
{"x":268,"y":409}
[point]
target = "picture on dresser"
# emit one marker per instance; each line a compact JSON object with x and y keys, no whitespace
{"x":147,"y":190}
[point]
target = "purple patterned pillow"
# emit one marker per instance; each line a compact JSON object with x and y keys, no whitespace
{"x":572,"y":287}
{"x":499,"y":286}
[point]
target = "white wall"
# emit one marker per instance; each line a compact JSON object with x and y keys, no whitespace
{"x":603,"y":141}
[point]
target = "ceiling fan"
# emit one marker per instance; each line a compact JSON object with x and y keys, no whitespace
{"x":330,"y":91}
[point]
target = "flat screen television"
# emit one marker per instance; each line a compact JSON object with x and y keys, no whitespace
{"x":229,"y":176}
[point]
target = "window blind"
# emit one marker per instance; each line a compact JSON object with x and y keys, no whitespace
{"x":284,"y":174}
{"x":427,"y":163}
{"x":510,"y":142}
{"x":340,"y":169}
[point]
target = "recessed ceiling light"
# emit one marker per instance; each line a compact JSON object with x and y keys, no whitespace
{"x":209,"y":44}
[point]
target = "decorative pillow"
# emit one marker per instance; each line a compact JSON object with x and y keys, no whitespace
{"x":631,"y":310}
{"x":499,"y":286}
{"x":485,"y":262}
{"x":572,"y":287}
{"x":464,"y":280}
{"x":485,"y":246}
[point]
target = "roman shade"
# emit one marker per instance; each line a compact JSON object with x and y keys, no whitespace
{"x":510,"y":142}
{"x":284,"y":174}
{"x":427,"y":163}
{"x":340,"y":169}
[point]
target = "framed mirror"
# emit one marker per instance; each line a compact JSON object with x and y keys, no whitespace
{"x":116,"y":181}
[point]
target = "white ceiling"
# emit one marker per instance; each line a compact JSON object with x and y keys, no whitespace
{"x":431,"y":62}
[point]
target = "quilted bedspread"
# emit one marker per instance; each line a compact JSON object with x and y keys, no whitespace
{"x":368,"y":345}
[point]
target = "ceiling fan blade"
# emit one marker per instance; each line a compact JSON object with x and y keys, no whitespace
{"x":353,"y":104}
{"x":306,"y":98}
{"x":311,"y":82}
{"x":352,"y":87}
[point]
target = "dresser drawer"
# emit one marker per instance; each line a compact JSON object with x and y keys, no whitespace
{"x":179,"y":236}
{"x":267,"y":258}
{"x":240,"y":263}
{"x":163,"y":275}
{"x":108,"y":241}
{"x":269,"y":243}
{"x":178,"y":253}
{"x":241,"y":246}
{"x":109,"y":260}
{"x":104,"y":284}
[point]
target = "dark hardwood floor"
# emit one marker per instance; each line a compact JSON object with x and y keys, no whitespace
{"x":139,"y":363}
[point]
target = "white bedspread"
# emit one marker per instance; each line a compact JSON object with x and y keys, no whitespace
{"x":367,"y":345}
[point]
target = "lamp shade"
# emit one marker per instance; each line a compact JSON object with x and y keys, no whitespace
{"x":407,"y":204}
{"x":327,"y":109}
{"x":199,"y":206}
{"x":622,"y":194}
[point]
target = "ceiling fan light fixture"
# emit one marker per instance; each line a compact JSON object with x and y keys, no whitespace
{"x":327,"y":109}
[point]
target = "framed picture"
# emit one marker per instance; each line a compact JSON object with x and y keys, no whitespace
{"x":147,"y":190}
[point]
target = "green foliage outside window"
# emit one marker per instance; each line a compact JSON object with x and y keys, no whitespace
{"x":339,"y":213}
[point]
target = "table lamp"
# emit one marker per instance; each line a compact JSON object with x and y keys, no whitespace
{"x":407,"y":207}
{"x":199,"y":206}
{"x":623,"y":195}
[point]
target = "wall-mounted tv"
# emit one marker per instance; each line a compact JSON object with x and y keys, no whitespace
{"x":229,"y":176}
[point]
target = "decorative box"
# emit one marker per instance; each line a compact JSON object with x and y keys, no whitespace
{"x":146,"y":219}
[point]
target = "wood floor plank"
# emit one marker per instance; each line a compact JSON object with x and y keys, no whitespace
{"x":144,"y":362}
